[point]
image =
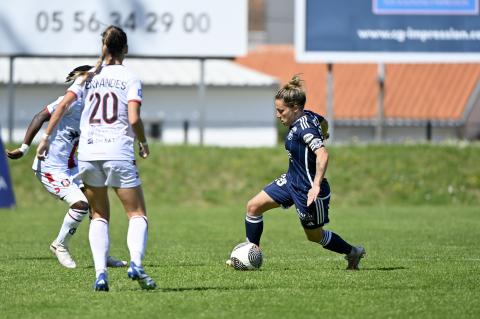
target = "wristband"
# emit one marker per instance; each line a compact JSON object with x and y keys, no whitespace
{"x":45,"y":136}
{"x":24,"y":148}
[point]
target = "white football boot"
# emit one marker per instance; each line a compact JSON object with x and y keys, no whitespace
{"x":63,"y":255}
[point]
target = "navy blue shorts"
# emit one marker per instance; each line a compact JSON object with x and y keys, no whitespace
{"x":311,"y":217}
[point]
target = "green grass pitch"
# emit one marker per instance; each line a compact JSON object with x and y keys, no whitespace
{"x":423,"y":259}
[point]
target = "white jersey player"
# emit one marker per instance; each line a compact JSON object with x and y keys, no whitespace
{"x":58,"y":171}
{"x":106,"y":132}
{"x":109,"y":124}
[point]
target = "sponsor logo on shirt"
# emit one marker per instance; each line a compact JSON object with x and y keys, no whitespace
{"x":316,"y":144}
{"x":307,"y":138}
{"x":290,"y":135}
{"x":301,"y":214}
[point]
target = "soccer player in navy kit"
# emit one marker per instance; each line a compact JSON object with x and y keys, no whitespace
{"x":304,"y":184}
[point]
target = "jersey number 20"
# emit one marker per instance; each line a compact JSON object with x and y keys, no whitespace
{"x":104,"y":101}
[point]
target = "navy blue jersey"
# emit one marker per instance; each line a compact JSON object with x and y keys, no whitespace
{"x":303,"y":139}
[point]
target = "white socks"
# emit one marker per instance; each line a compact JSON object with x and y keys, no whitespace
{"x":72,"y":220}
{"x":137,"y":238}
{"x":99,"y":243}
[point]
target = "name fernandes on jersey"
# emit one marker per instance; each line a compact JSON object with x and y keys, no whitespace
{"x":106,"y":83}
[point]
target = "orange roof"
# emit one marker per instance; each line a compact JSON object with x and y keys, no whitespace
{"x":412,"y":91}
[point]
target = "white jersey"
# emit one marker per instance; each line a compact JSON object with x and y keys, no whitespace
{"x":63,"y":139}
{"x":106,"y":133}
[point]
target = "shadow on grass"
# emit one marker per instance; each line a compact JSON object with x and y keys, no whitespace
{"x":200,"y":265}
{"x":30,"y":258}
{"x":189,"y":289}
{"x":384,"y":268}
{"x":182,"y":289}
{"x":150,"y":266}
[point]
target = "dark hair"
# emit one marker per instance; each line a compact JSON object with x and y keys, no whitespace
{"x":292,"y":93}
{"x":78,"y":71}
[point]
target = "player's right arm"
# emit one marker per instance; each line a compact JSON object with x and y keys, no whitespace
{"x":32,"y":130}
{"x":57,"y":115}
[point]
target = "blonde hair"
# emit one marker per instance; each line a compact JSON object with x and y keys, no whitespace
{"x":114,"y":43}
{"x":292,"y":93}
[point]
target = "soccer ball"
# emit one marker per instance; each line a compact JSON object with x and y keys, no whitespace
{"x":246,"y":256}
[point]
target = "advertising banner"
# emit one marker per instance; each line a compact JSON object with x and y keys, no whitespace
{"x":156,"y":28}
{"x":387,"y":31}
{"x":7,"y":199}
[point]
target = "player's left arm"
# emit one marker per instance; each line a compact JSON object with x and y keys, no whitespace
{"x":314,"y":140}
{"x":321,"y":167}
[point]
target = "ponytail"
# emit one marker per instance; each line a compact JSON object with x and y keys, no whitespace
{"x":292,"y":93}
{"x":114,"y":43}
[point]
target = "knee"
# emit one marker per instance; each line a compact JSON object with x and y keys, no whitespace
{"x":312,"y":239}
{"x":80,"y":205}
{"x":314,"y":235}
{"x":253,"y":208}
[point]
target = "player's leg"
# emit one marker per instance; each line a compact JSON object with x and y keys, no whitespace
{"x":332,"y":241}
{"x":134,"y":204}
{"x":98,"y":234}
{"x":316,"y":218}
{"x":96,"y":192}
{"x":272,"y":196}
{"x":256,"y":206}
{"x":111,"y":261}
{"x":124,"y":178}
{"x":78,"y":207}
{"x":77,"y":212}
{"x":59,"y":184}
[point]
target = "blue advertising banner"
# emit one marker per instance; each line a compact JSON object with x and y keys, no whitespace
{"x":387,"y":31}
{"x":7,"y":199}
{"x":446,"y":7}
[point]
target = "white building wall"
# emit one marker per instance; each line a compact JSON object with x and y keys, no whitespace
{"x":349,"y":134}
{"x":28,"y":101}
{"x":419,"y":134}
{"x":234,"y":116}
{"x":398,"y":134}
